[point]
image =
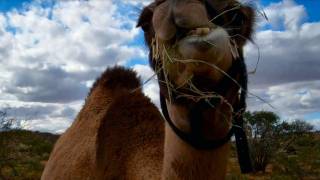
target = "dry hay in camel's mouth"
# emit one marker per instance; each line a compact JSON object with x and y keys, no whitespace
{"x":167,"y":60}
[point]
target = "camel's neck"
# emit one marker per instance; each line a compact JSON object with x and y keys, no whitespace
{"x":181,"y":161}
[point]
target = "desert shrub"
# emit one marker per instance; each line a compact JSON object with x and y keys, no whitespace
{"x":23,"y":153}
{"x":305,"y":163}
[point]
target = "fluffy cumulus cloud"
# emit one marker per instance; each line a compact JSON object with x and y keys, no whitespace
{"x":52,"y":52}
{"x":289,"y":68}
{"x":292,"y":100}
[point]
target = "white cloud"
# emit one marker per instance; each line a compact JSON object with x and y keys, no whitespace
{"x":49,"y":54}
{"x":144,"y":71}
{"x":52,"y":117}
{"x":286,"y":14}
{"x":289,"y":71}
{"x":286,"y":56}
{"x":75,"y":36}
{"x":138,"y":2}
{"x":290,"y":100}
{"x":53,"y":125}
{"x":150,"y":86}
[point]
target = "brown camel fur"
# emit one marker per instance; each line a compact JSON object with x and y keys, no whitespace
{"x":120,"y":134}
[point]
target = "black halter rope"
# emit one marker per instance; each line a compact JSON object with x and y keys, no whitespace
{"x":194,"y":138}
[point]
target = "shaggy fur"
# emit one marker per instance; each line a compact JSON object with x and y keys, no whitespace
{"x":117,"y":134}
{"x":117,"y":77}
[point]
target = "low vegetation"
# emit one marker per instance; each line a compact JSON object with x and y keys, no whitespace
{"x":24,"y":153}
{"x":279,"y":150}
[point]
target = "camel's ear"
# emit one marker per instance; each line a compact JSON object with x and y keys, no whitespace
{"x":247,"y":17}
{"x":145,"y":22}
{"x":145,"y":19}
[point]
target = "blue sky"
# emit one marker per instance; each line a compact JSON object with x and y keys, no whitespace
{"x":52,"y":52}
{"x":312,"y":7}
{"x":8,"y":5}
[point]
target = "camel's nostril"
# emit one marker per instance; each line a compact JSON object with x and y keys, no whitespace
{"x":189,"y":14}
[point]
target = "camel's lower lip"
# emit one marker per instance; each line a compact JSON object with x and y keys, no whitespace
{"x":211,"y":38}
{"x":201,"y":42}
{"x":211,"y":44}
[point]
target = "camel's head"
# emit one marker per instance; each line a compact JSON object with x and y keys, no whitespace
{"x":193,"y":44}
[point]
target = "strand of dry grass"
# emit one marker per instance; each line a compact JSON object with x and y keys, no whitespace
{"x":238,"y":6}
{"x":146,"y":81}
{"x":192,"y":88}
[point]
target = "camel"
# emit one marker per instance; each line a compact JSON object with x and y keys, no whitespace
{"x":196,"y":50}
{"x":116,"y":134}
